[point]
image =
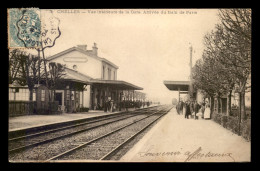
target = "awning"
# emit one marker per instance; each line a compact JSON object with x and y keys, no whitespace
{"x":177,"y":85}
{"x":116,"y":84}
{"x":72,"y":75}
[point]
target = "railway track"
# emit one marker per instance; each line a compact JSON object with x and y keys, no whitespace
{"x":19,"y":143}
{"x":47,"y":144}
{"x":105,"y":146}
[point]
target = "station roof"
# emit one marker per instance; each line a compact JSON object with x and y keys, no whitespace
{"x":175,"y":85}
{"x":76,"y":76}
{"x":117,"y":84}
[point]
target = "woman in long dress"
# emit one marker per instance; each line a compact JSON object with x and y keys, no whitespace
{"x":184,"y":108}
{"x":207,"y":112}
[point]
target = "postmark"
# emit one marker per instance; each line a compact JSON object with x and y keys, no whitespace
{"x":32,"y":28}
{"x":50,"y":30}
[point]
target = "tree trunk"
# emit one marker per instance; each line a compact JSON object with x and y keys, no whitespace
{"x":242,"y":106}
{"x":211,"y":105}
{"x":39,"y":67}
{"x":31,"y":100}
{"x":229,"y":103}
{"x":54,"y":94}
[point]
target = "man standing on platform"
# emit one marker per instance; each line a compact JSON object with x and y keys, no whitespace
{"x":188,"y":110}
{"x":202,"y":109}
{"x":196,"y":109}
{"x":126,"y":105}
{"x":181,"y":107}
{"x":105,"y":105}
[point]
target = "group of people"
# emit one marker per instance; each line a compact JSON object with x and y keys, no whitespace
{"x":189,"y":107}
{"x":110,"y":105}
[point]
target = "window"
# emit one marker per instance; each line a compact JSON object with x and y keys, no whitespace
{"x":68,"y":95}
{"x":22,"y":94}
{"x":11,"y":94}
{"x":103,"y":72}
{"x":72,"y":95}
{"x":76,"y":95}
{"x":114,"y":75}
{"x":34,"y":96}
{"x":81,"y":98}
{"x":42,"y":95}
{"x":109,"y":74}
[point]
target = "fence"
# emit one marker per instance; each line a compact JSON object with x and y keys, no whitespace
{"x":232,"y":123}
{"x":20,"y":108}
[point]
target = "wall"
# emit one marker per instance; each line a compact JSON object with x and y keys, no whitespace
{"x":200,"y":97}
{"x":22,"y":94}
{"x":235,"y":99}
{"x":248,"y":99}
{"x":85,"y":64}
{"x":86,"y":100}
{"x":105,"y":77}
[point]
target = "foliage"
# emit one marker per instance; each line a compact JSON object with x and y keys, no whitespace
{"x":27,"y":69}
{"x":232,"y":124}
{"x":24,"y":68}
{"x":226,"y":59}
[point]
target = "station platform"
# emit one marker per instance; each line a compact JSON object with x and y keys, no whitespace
{"x":31,"y":121}
{"x":176,"y":139}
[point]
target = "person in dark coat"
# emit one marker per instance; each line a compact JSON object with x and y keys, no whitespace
{"x":191,"y":107}
{"x":181,"y":107}
{"x":188,"y":111}
{"x":196,"y":108}
{"x":105,"y":105}
{"x":178,"y":108}
{"x":185,"y":107}
{"x":127,"y":103}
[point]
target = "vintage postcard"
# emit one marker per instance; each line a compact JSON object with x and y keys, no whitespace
{"x":129,"y":85}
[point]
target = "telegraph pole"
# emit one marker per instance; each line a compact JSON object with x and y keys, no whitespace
{"x":191,"y":87}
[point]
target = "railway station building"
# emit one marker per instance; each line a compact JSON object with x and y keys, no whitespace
{"x":88,"y":81}
{"x":91,"y":79}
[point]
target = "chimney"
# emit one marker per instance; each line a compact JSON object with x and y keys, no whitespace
{"x":95,"y":49}
{"x":83,"y":47}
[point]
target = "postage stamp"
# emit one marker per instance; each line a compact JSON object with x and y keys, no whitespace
{"x":24,"y":28}
{"x":32,"y":28}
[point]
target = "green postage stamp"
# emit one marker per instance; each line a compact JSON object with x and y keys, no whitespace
{"x":32,"y":28}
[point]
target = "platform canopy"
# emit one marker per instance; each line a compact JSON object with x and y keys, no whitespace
{"x":72,"y":75}
{"x":183,"y":86}
{"x":116,"y":84}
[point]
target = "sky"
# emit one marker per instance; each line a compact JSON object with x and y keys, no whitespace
{"x":148,"y":48}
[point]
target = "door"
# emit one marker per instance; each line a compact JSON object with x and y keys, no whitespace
{"x":224,"y":105}
{"x":58,"y":97}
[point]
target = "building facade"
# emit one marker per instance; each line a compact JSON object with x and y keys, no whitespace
{"x":101,"y":81}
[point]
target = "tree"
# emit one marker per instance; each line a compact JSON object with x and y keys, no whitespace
{"x":56,"y":71}
{"x":24,"y":69}
{"x":234,"y":37}
{"x":27,"y":69}
{"x":227,"y":56}
{"x":208,"y":77}
{"x":14,"y":66}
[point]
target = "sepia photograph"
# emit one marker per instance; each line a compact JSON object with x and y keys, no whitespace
{"x":129,"y":85}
